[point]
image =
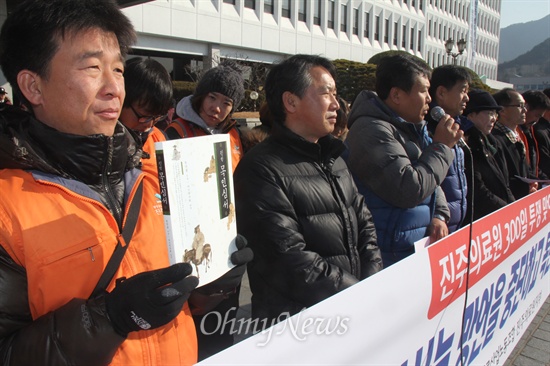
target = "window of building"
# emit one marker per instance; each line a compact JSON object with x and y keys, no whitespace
{"x":268,"y":6}
{"x":411,"y":45}
{"x":302,"y":10}
{"x":386,"y":30}
{"x":395,"y":33}
{"x":285,"y":9}
{"x":251,"y":4}
{"x":317,"y":12}
{"x":419,"y":45}
{"x":377,"y":28}
{"x":330,"y":20}
{"x":430,"y":27}
{"x":367,"y":24}
{"x":404,"y":37}
{"x":344,"y":18}
{"x":356,"y":21}
{"x":232,"y":2}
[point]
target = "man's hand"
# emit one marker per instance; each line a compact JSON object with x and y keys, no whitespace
{"x":149,"y":300}
{"x":438,"y":229}
{"x":533,"y":187}
{"x":448,"y":132}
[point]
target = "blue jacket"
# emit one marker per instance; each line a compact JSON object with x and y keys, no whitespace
{"x":455,"y":184}
{"x":398,"y":170}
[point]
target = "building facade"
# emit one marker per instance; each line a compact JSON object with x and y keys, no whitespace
{"x":522,"y":84}
{"x":187,"y":34}
{"x":268,"y":30}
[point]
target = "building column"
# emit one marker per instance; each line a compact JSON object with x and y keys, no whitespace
{"x":212,"y":59}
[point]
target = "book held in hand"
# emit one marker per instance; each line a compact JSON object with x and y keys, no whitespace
{"x":196,"y":190}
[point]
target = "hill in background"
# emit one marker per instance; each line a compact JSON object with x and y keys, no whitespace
{"x":520,"y":38}
{"x":531,"y":64}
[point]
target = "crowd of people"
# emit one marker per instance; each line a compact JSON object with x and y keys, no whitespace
{"x":327,"y":193}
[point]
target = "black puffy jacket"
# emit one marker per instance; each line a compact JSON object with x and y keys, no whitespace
{"x":311,"y":233}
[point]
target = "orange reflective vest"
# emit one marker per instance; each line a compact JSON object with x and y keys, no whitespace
{"x":64,"y":240}
{"x":150,"y":165}
{"x":188,"y":129}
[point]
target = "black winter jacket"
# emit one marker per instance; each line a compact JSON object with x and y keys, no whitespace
{"x":516,"y":162}
{"x":542,"y":134}
{"x":490,"y":175}
{"x":311,"y":233}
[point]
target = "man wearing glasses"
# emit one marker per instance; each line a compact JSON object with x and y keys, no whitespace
{"x":510,"y":117}
{"x":148,"y":98}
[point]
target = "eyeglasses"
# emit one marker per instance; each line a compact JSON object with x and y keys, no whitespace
{"x":492,"y":114}
{"x":147,"y":119}
{"x":521,"y":105}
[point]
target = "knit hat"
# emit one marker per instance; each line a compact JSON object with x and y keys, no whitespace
{"x":480,"y":100}
{"x":225,"y":79}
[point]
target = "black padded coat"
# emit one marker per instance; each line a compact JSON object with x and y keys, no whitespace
{"x":311,"y":233}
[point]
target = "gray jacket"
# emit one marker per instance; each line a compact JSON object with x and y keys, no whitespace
{"x":398,"y":169}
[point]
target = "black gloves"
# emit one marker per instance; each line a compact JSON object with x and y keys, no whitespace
{"x":207,"y":297}
{"x":243,"y":254}
{"x":149,"y":300}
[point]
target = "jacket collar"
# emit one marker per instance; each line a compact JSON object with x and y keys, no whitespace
{"x":26,"y":143}
{"x":326,"y":149}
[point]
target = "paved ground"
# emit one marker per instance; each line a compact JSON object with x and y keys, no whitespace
{"x":534,"y":347}
{"x":532,"y":350}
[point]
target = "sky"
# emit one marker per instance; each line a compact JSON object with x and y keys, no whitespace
{"x":522,"y":11}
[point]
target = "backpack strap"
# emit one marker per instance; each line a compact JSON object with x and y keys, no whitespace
{"x":123,"y":242}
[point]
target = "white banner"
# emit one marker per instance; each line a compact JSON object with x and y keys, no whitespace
{"x":412,"y":313}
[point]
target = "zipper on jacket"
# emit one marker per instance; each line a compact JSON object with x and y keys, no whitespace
{"x":339,"y":196}
{"x":111,"y":200}
{"x":91,"y":254}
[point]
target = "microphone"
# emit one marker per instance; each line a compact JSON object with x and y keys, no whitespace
{"x":437,"y":113}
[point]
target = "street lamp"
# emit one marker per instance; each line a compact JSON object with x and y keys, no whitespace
{"x":461,"y":45}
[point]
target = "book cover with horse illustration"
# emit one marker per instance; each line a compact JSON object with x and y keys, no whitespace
{"x":196,"y":190}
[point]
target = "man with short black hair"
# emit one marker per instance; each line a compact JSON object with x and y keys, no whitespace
{"x":149,"y":95}
{"x":449,"y":87}
{"x":310,"y":230}
{"x":84,"y":268}
{"x":396,"y":165}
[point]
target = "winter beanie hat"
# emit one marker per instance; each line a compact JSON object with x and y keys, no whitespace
{"x":225,"y":79}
